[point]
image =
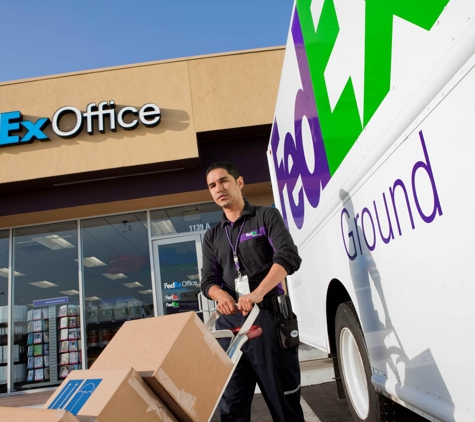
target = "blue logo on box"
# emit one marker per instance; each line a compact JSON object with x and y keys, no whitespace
{"x":74,"y":395}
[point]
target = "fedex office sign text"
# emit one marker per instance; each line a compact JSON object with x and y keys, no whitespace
{"x":14,"y":130}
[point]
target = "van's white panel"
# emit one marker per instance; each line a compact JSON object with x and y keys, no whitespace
{"x":414,"y":293}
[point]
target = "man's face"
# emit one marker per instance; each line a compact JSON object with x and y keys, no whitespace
{"x":225,"y":190}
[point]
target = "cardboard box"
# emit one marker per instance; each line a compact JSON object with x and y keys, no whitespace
{"x":109,"y":396}
{"x":22,"y":414}
{"x":178,"y":357}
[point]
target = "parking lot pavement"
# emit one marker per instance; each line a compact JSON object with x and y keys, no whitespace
{"x":320,"y":404}
{"x":325,"y":404}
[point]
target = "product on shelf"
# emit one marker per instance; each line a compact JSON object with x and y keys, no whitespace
{"x":64,"y":346}
{"x":120,"y":310}
{"x":38,"y":362}
{"x":93,"y":338}
{"x":73,"y":322}
{"x":107,"y":312}
{"x":92,"y":314}
{"x":37,"y":338}
{"x":73,"y":333}
{"x":69,"y":333}
{"x":63,"y":322}
{"x":38,"y":349}
{"x":73,"y":357}
{"x":134,"y":308}
{"x":64,"y":334}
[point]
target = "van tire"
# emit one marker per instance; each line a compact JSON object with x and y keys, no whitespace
{"x":364,"y":402}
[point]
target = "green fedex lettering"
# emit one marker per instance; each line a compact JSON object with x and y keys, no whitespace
{"x":379,"y":38}
{"x":342,"y":125}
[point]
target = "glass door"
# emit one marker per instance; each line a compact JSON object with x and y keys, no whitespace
{"x":177,"y":264}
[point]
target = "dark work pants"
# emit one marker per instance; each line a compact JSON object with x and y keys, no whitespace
{"x":276,"y":371}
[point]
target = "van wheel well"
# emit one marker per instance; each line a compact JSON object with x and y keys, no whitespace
{"x":336,"y":295}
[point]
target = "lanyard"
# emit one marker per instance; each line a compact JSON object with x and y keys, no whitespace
{"x":235,"y":247}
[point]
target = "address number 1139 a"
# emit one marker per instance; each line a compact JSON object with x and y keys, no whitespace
{"x":199,"y":227}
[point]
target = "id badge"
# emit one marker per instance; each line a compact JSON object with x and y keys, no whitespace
{"x":242,"y":286}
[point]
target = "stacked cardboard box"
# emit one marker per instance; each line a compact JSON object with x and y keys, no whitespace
{"x":178,"y":358}
{"x":162,"y":369}
{"x":13,"y":414}
{"x":109,"y":395}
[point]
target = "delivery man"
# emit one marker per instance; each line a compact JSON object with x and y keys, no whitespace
{"x":245,"y":258}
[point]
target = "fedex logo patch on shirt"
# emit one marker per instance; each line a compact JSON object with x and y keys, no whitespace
{"x":252,"y":234}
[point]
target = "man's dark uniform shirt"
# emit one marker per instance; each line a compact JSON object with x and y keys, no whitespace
{"x":264,"y":240}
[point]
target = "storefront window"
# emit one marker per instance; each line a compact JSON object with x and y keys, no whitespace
{"x":116,"y":272}
{"x":195,"y":218}
{"x":46,"y":320}
{"x":4,"y":242}
{"x":117,"y":278}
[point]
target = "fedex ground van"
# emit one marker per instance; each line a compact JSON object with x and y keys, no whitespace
{"x":372,"y":162}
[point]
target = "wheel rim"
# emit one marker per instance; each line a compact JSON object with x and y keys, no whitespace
{"x":354,"y":373}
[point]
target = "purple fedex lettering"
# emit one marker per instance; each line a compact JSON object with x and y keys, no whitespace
{"x":294,"y":165}
{"x":348,"y":217}
{"x":427,"y":167}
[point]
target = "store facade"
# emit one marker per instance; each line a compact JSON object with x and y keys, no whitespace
{"x":104,"y":201}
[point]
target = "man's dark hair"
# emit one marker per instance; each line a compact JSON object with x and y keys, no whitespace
{"x":226,"y":165}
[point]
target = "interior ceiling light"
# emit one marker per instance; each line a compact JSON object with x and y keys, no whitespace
{"x":53,"y":241}
{"x":133,"y":285}
{"x":146,"y":292}
{"x":114,"y":276}
{"x":92,"y":261}
{"x":92,"y":298}
{"x":5,"y":271}
{"x":193,"y":277}
{"x":163,"y":227}
{"x":69,"y":292}
{"x":43,"y":284}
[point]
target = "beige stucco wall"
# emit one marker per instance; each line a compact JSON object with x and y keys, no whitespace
{"x":235,"y":90}
{"x":194,"y":95}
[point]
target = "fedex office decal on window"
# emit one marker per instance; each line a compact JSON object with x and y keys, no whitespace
{"x":15,"y":130}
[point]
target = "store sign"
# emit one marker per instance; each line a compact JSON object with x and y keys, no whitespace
{"x":53,"y":301}
{"x":14,"y":130}
{"x":182,"y":285}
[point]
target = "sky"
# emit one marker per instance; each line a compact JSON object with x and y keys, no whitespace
{"x":48,"y":37}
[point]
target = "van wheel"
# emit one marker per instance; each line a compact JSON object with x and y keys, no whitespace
{"x":364,"y":402}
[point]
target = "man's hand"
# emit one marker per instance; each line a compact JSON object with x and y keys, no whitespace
{"x":276,"y":274}
{"x":246,"y":302}
{"x":226,"y":303}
